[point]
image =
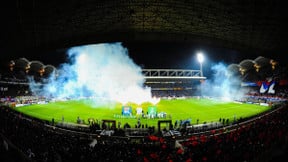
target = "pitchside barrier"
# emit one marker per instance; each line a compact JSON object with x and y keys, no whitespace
{"x":73,"y":126}
{"x":137,"y":131}
{"x":216,"y":131}
{"x":232,"y":127}
{"x":203,"y":127}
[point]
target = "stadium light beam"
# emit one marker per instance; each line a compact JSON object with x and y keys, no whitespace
{"x":200,"y":58}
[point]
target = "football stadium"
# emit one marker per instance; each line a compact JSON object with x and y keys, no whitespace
{"x":171,"y":105}
{"x":94,"y":100}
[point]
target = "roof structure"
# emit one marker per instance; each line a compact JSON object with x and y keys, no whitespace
{"x":258,"y":25}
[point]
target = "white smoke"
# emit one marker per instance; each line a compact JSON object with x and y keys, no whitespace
{"x":222,"y":85}
{"x":103,"y":71}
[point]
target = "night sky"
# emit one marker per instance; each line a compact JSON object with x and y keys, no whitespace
{"x":167,"y":55}
{"x":145,"y":54}
{"x":158,"y":55}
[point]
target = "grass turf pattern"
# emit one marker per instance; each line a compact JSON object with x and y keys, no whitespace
{"x":203,"y":110}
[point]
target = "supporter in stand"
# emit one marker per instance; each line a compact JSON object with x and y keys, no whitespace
{"x":246,"y":143}
{"x":264,"y":139}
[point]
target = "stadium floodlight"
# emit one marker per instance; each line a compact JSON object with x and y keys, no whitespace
{"x":200,"y":58}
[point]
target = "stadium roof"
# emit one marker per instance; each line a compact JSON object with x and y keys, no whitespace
{"x":257,"y":25}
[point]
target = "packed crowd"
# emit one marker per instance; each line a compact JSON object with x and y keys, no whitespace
{"x":260,"y":140}
{"x":27,"y":139}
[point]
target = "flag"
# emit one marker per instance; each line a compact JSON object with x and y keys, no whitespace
{"x":264,"y":87}
{"x":271,"y":89}
{"x":268,"y":85}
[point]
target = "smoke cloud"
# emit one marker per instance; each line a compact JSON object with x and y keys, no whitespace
{"x":104,"y":72}
{"x":222,"y":84}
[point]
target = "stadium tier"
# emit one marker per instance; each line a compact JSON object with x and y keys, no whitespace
{"x":144,"y":81}
{"x":183,"y":121}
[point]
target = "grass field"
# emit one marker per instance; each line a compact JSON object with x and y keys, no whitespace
{"x":206,"y":110}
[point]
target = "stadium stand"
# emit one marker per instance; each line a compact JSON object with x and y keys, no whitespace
{"x":246,"y":142}
{"x":173,"y":87}
{"x":259,"y":26}
{"x":261,"y":138}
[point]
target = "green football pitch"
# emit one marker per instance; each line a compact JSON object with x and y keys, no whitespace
{"x":203,"y":110}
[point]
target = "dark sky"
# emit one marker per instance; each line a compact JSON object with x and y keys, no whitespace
{"x":150,"y":55}
{"x":177,"y":55}
{"x":157,"y":55}
{"x":145,"y":54}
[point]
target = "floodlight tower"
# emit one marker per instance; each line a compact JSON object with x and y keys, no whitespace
{"x":200,"y":58}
